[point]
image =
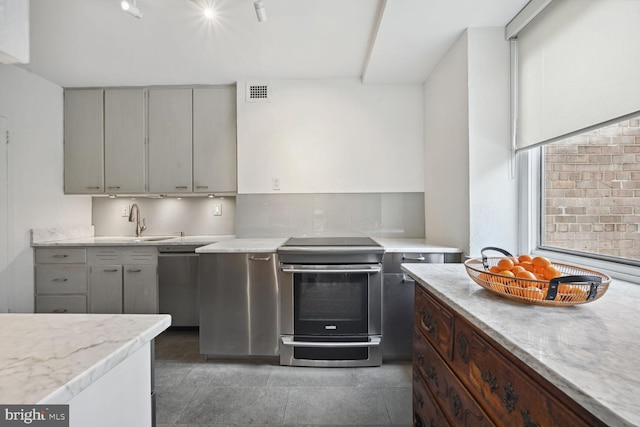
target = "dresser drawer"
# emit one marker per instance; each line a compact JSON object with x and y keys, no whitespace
{"x":456,"y":403}
{"x":504,"y":390}
{"x":61,"y":304}
{"x":61,"y":256}
{"x":61,"y":279}
{"x":434,"y":321}
{"x":426,"y":411}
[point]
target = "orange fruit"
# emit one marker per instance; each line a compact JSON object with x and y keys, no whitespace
{"x":505,"y":264}
{"x":524,"y":258}
{"x":527,"y":266}
{"x":517,"y":269}
{"x":507,"y":273}
{"x":532,"y":292}
{"x":526,"y":275}
{"x":551,"y":272}
{"x":494,"y":269}
{"x":540,"y":262}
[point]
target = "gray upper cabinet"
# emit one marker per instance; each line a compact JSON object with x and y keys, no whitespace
{"x":170,"y":141}
{"x":124,"y":134}
{"x":83,"y":141}
{"x":214,"y":140}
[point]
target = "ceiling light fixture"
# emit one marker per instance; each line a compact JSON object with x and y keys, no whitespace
{"x":131,"y":8}
{"x":209,"y":13}
{"x":261,"y":12}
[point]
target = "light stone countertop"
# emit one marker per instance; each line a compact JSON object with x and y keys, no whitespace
{"x":50,"y":358}
{"x":413,"y":245}
{"x":257,"y":245}
{"x":145,"y":240}
{"x":589,"y":351}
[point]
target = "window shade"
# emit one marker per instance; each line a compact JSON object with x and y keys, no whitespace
{"x":579,"y":67}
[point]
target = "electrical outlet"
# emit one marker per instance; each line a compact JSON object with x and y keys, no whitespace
{"x":275,"y":183}
{"x":124,"y":210}
{"x":217,"y":209}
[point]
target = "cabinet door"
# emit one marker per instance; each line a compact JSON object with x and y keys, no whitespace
{"x":214,"y":140}
{"x":140,"y":289}
{"x":105,"y":289}
{"x":124,"y":133}
{"x":83,"y":142}
{"x":170,"y":141}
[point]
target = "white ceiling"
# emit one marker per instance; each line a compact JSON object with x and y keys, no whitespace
{"x":80,"y":43}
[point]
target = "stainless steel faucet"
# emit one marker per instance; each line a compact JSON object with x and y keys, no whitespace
{"x":139,"y":228}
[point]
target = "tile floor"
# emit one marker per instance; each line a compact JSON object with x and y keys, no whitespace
{"x":193,"y":392}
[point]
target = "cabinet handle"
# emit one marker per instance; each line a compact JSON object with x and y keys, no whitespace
{"x":427,"y":322}
{"x":113,"y":187}
{"x":134,"y":271}
{"x":60,"y":255}
{"x":408,"y":258}
{"x":181,"y":187}
{"x":93,"y":188}
{"x":59,"y":310}
{"x":111,"y":270}
{"x":60,"y":279}
{"x":202,"y":186}
{"x":254,"y":258}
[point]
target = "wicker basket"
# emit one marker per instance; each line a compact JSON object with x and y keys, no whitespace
{"x":576,"y":285}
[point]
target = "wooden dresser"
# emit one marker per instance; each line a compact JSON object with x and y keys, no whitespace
{"x":461,"y":377}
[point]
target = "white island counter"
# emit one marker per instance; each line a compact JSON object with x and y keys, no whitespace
{"x":588,"y":351}
{"x":99,"y":364}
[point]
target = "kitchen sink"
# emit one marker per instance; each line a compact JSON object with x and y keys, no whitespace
{"x":153,"y":238}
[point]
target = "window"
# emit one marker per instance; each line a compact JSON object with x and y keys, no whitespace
{"x":591,"y":193}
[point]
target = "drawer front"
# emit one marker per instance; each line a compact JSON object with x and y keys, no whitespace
{"x":426,"y":411}
{"x":434,"y":321}
{"x":505,"y":391}
{"x":392,"y":260}
{"x":61,"y":304}
{"x":112,"y":255}
{"x":61,"y":279}
{"x":61,"y":256}
{"x":457,"y":404}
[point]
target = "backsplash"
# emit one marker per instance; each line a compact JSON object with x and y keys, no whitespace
{"x":192,"y":216}
{"x":371,"y":214}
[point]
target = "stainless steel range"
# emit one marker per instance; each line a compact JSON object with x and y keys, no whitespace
{"x":330,"y":301}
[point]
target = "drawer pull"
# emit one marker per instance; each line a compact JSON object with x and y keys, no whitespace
{"x":93,"y":188}
{"x":60,"y":310}
{"x":60,"y":255}
{"x":527,"y":421}
{"x":137,"y":270}
{"x":111,"y":270}
{"x":490,"y":379}
{"x":426,"y":319}
{"x":202,"y":186}
{"x":60,"y":279}
{"x":510,"y":397}
{"x":113,"y":187}
{"x":181,"y":187}
{"x":255,"y":258}
{"x":408,"y":258}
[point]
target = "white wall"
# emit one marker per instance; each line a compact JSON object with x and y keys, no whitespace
{"x":331,"y":136}
{"x":493,"y":193}
{"x":446,"y":161}
{"x":470,"y":199}
{"x":33,"y":107}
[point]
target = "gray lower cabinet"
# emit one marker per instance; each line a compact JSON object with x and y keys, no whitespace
{"x":238,"y":304}
{"x":398,"y":301}
{"x":60,"y":280}
{"x":123,"y":280}
{"x":106,"y":289}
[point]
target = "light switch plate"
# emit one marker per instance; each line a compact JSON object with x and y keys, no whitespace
{"x":124,"y":210}
{"x":275,"y":183}
{"x":217,"y":209}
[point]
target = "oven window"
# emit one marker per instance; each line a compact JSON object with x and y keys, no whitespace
{"x":331,"y":303}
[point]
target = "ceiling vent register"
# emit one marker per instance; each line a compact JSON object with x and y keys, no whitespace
{"x":257,"y":92}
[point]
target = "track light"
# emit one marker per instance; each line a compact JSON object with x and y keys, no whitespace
{"x":131,"y":8}
{"x":261,"y":12}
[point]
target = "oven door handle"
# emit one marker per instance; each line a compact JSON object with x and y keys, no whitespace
{"x":291,"y":269}
{"x":289,"y":342}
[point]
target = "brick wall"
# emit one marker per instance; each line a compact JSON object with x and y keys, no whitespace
{"x":592,"y":195}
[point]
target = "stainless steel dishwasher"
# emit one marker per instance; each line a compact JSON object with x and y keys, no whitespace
{"x":238,"y":304}
{"x":178,"y":284}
